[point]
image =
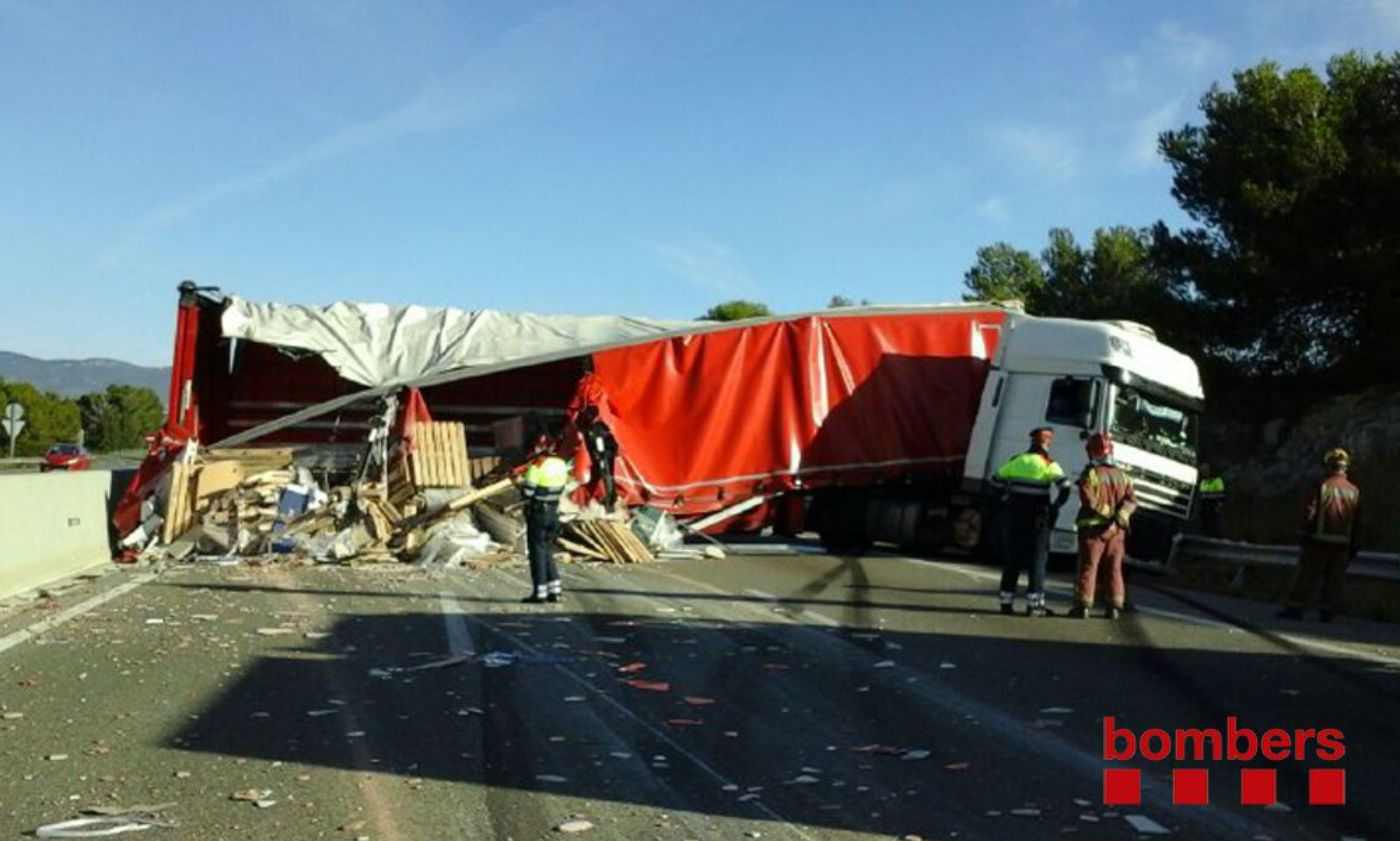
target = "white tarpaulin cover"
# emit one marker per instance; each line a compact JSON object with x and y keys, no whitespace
{"x":379,"y":344}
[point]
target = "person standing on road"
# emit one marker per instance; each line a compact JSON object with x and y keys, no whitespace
{"x":1026,"y":483}
{"x":542,"y":485}
{"x":1330,"y":539}
{"x":1106,"y":504}
{"x":1211,"y":493}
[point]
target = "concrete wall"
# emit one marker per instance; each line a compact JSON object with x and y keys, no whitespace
{"x":52,"y":525}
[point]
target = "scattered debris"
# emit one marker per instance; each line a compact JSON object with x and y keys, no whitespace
{"x":1143,"y":825}
{"x":698,"y":702}
{"x":884,"y":664}
{"x":649,"y":685}
{"x":1056,"y":710}
{"x":911,"y":755}
{"x":1026,"y":812}
{"x":574,"y":826}
{"x":275,"y":632}
{"x":56,"y":757}
{"x":98,"y":827}
{"x":251,"y":795}
{"x":551,"y":778}
{"x":958,"y":766}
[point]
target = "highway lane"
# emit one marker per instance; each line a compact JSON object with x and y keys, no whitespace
{"x":796,"y":696}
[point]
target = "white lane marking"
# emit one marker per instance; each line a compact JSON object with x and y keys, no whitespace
{"x":73,"y":612}
{"x":639,"y":721}
{"x":819,"y":618}
{"x":1341,"y":649}
{"x":459,"y":638}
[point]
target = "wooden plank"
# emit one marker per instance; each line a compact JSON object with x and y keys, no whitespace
{"x":217,"y":477}
{"x":580,"y":549}
{"x":459,"y":455}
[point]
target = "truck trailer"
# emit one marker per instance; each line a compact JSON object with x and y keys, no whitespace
{"x":863,"y":424}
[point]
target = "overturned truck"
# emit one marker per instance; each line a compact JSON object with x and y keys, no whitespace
{"x":861,"y":424}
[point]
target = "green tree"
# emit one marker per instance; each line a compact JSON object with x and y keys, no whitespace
{"x":48,"y":418}
{"x":1003,"y":273}
{"x":1293,"y":181}
{"x":120,"y":417}
{"x":735,"y":310}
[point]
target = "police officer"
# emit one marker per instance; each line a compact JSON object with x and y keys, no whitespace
{"x":542,"y":484}
{"x":1106,"y":504}
{"x":1026,"y":483}
{"x":1331,"y":538}
{"x":1211,"y":493}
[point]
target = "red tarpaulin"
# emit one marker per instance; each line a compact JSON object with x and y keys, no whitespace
{"x":706,"y":420}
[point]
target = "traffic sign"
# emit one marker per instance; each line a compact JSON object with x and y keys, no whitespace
{"x":13,"y":423}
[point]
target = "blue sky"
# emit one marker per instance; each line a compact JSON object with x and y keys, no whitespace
{"x":647,"y":158}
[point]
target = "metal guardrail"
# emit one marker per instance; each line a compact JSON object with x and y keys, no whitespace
{"x":1189,"y":547}
{"x":19,"y":462}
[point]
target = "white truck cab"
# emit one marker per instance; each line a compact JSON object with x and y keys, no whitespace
{"x":1081,"y":377}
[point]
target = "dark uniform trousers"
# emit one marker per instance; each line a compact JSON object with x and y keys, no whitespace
{"x":1026,"y":541}
{"x":1320,"y":562}
{"x":541,"y":530}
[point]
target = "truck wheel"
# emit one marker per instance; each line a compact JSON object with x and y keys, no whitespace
{"x":967,"y":529}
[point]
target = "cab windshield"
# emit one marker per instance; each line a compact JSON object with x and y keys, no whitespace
{"x":1152,"y":424}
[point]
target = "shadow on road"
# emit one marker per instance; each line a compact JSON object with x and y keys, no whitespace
{"x":770,"y":720}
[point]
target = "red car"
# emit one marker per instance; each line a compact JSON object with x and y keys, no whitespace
{"x":66,"y":457}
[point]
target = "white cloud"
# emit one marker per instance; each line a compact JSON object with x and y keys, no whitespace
{"x":705,"y":263}
{"x":1186,"y":49}
{"x":1047,"y":152}
{"x":993,"y":209}
{"x":547,"y":52}
{"x":1142,"y":148}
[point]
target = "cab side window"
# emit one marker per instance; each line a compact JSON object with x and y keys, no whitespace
{"x":1071,"y":402}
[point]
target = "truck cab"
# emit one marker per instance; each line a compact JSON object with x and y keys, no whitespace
{"x":1081,"y":377}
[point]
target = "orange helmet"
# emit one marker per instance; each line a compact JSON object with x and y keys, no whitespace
{"x":1099,"y":445}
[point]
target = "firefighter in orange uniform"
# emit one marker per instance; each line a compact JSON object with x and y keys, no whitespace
{"x":1331,"y":537}
{"x":1106,"y":504}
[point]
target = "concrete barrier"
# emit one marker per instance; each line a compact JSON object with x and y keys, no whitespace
{"x":52,"y":525}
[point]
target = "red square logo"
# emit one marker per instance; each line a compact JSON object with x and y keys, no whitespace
{"x":1190,"y":787}
{"x":1122,"y":787}
{"x":1327,"y":787}
{"x":1258,"y":786}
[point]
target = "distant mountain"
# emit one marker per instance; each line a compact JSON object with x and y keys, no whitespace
{"x":72,"y":377}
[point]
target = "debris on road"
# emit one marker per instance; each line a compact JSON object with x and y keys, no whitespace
{"x":574,"y":826}
{"x":1143,"y":825}
{"x":251,"y":795}
{"x":101,"y":827}
{"x":649,"y":685}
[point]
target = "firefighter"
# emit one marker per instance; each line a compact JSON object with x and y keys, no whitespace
{"x":1211,"y":493}
{"x":1106,"y":504}
{"x":1027,"y":482}
{"x":602,"y":450}
{"x":542,"y":485}
{"x":1330,"y":539}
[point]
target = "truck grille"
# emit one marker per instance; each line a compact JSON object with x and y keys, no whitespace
{"x":1160,"y":493}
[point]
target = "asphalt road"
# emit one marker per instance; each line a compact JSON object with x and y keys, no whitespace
{"x":778,"y":696}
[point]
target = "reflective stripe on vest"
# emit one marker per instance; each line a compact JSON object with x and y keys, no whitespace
{"x":545,"y":480}
{"x":1325,"y":495}
{"x":1030,"y":473}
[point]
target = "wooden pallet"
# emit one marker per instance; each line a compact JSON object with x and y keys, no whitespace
{"x":439,"y":457}
{"x":179,"y":505}
{"x":610,"y":540}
